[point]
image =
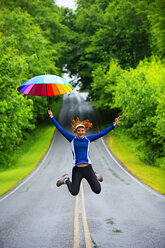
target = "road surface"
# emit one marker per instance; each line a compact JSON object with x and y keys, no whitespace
{"x":37,"y":214}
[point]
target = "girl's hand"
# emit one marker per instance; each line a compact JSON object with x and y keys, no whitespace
{"x":50,"y":113}
{"x":117,"y":121}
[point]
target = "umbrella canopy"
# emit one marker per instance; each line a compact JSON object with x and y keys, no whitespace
{"x":45,"y":85}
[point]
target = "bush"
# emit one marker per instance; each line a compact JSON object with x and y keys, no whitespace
{"x":139,"y":94}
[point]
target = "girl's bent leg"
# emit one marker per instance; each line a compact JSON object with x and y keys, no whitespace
{"x":74,"y":186}
{"x":92,"y":180}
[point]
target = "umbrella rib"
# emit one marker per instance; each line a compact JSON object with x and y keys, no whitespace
{"x":46,"y":90}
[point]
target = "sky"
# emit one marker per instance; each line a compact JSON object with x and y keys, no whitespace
{"x":66,"y":3}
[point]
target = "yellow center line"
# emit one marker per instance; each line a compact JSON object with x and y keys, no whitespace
{"x":84,"y":220}
{"x":76,"y":224}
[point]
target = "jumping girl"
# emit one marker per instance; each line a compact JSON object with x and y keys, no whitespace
{"x":82,"y":167}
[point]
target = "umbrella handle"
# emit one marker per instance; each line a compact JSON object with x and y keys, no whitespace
{"x":47,"y":97}
{"x":48,"y":102}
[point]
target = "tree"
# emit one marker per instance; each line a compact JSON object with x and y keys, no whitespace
{"x":156,"y":16}
{"x":108,"y":30}
{"x":24,"y":53}
{"x":16,"y":111}
{"x":139,"y":94}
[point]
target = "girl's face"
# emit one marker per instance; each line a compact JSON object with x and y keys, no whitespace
{"x":80,"y":132}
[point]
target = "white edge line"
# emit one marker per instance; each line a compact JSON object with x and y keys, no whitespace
{"x":28,"y":177}
{"x":136,"y":180}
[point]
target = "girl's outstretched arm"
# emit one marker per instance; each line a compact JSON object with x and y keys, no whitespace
{"x":67,"y":135}
{"x":104,"y":132}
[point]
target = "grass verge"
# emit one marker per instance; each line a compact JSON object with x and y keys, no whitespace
{"x":122,"y":148}
{"x":29,"y":155}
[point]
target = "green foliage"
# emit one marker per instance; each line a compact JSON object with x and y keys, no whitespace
{"x":139,"y":94}
{"x":103,"y":85}
{"x":27,"y":38}
{"x":86,"y":22}
{"x":128,"y":31}
{"x":119,"y":37}
{"x":156,"y":16}
{"x":15,"y":110}
{"x":24,"y":52}
{"x":15,"y":116}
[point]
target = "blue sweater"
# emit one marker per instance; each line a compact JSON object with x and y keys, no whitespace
{"x":80,"y":147}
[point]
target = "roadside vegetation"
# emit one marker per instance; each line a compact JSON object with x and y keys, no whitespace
{"x":29,"y":154}
{"x":125,"y":150}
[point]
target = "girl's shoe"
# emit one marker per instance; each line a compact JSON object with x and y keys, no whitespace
{"x":99,"y":177}
{"x":62,"y":180}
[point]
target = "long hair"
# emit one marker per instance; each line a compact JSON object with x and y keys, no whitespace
{"x":87,"y":124}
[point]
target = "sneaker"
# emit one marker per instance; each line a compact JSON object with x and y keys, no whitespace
{"x":62,"y":180}
{"x":99,"y":177}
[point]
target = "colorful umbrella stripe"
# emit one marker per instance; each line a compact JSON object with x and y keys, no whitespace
{"x":45,"y":85}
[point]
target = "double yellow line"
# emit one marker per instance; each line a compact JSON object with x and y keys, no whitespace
{"x":84,"y":220}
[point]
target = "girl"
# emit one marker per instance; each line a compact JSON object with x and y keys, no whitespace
{"x":82,"y":167}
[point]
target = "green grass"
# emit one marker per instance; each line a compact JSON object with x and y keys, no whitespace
{"x":25,"y":161}
{"x":29,"y":154}
{"x":122,"y":148}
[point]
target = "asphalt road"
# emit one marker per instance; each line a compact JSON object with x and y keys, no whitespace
{"x":37,"y":214}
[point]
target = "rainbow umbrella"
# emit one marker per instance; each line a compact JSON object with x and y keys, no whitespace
{"x":45,"y":85}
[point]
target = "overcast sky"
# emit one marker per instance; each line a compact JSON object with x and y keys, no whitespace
{"x":66,"y":3}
